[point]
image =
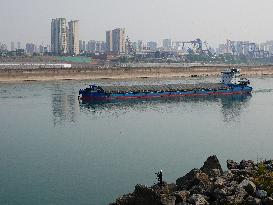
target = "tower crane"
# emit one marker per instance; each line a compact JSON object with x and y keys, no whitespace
{"x":196,"y":46}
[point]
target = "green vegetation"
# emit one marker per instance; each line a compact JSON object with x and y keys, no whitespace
{"x":75,"y":59}
{"x":264,"y":178}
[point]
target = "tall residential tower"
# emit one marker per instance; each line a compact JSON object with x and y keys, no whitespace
{"x":116,"y":40}
{"x":58,"y":36}
{"x":73,"y":38}
{"x":109,"y":41}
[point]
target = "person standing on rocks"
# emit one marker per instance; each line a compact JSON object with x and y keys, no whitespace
{"x":159,"y":178}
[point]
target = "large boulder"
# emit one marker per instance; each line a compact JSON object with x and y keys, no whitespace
{"x":268,"y":201}
{"x":246,"y":164}
{"x":181,"y":196}
{"x":218,"y":194}
{"x":167,"y":200}
{"x":232,"y":164}
{"x":219,"y":182}
{"x":253,"y":201}
{"x":198,"y":199}
{"x":238,"y":197}
{"x":127,"y":199}
{"x":261,"y":194}
{"x":249,"y":186}
{"x":211,"y":163}
{"x":192,"y":179}
{"x":215,"y":173}
{"x":144,"y":195}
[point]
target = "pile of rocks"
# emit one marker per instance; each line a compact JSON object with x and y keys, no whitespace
{"x":209,"y":185}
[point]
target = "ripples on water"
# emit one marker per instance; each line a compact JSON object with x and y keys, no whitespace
{"x":57,"y":150}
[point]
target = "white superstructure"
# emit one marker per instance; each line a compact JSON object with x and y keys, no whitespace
{"x":231,"y":76}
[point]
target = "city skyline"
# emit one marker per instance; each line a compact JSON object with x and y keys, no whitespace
{"x":212,"y":20}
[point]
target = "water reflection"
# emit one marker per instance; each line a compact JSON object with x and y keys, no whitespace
{"x":65,"y":107}
{"x":230,"y":106}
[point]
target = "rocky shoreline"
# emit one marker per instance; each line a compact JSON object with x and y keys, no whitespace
{"x":246,"y":182}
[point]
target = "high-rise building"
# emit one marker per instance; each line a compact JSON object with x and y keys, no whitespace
{"x":103,"y":46}
{"x":222,"y":48}
{"x":91,"y":46}
{"x":73,"y":38}
{"x":100,"y":46}
{"x":115,"y":41}
{"x":12,"y":47}
{"x":152,"y":45}
{"x":167,"y":44}
{"x":30,"y":48}
{"x":109,"y":41}
{"x":80,"y":44}
{"x":58,"y":36}
{"x":96,"y":46}
{"x":140,"y":45}
{"x":18,"y":45}
{"x":83,"y":46}
{"x":118,"y":37}
{"x":41,"y":49}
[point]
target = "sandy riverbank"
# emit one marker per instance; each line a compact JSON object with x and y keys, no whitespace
{"x":21,"y":75}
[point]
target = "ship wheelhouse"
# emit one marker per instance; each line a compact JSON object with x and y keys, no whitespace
{"x":231,"y":76}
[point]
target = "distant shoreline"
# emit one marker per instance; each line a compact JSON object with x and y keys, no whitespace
{"x":43,"y":74}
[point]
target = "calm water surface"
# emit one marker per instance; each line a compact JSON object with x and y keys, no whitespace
{"x":55,"y":150}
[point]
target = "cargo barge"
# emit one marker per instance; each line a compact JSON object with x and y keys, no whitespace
{"x":231,"y":84}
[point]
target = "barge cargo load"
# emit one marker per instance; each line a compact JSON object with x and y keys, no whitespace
{"x":231,"y":84}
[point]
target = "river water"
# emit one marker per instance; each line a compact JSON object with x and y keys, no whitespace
{"x":55,"y":150}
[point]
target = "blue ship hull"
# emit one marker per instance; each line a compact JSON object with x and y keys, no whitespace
{"x":98,"y":96}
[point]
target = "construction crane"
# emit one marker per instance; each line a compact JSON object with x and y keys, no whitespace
{"x":208,"y":49}
{"x":196,"y":46}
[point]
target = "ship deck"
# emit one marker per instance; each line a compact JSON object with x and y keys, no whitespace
{"x":164,"y":88}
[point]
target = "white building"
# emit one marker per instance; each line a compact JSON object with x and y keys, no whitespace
{"x":73,"y":38}
{"x":167,"y":44}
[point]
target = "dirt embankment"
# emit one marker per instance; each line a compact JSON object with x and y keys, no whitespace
{"x":17,"y":75}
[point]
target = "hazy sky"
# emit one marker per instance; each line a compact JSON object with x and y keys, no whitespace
{"x":211,"y":20}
